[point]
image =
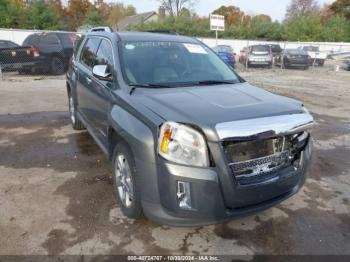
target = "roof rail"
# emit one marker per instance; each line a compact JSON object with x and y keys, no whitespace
{"x":101,"y":29}
{"x":162,"y":32}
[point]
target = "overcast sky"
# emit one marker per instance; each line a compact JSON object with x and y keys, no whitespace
{"x":275,"y":8}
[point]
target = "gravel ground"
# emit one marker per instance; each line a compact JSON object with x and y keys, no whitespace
{"x":56,"y":189}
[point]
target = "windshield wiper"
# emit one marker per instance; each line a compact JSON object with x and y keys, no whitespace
{"x":134,"y":86}
{"x":215,"y":82}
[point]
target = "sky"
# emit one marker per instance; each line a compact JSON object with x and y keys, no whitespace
{"x":275,"y":8}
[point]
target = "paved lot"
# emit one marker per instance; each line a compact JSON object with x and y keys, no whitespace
{"x":56,"y":189}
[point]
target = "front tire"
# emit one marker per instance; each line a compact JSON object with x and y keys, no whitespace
{"x":75,"y":121}
{"x":125,"y":184}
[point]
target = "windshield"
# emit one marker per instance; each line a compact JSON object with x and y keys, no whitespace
{"x":172,"y":63}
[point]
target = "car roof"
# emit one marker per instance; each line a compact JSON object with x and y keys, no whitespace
{"x":147,"y":36}
{"x":260,"y":45}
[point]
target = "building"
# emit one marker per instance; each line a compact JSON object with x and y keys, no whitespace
{"x":141,"y":18}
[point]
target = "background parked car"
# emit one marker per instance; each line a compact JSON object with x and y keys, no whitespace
{"x":257,"y":55}
{"x":14,"y":57}
{"x":226,"y":53}
{"x":293,"y":58}
{"x":347,"y":64}
{"x":6,"y":44}
{"x":316,"y":56}
{"x":243,"y":54}
{"x":276,"y":49}
{"x":55,"y":50}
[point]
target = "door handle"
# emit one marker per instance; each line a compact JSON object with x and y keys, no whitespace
{"x":88,"y":80}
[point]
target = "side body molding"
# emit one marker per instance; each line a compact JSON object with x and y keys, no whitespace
{"x":265,"y":126}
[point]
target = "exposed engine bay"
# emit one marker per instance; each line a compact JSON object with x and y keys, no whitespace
{"x":258,"y":160}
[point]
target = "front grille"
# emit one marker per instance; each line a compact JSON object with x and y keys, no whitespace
{"x":257,"y":161}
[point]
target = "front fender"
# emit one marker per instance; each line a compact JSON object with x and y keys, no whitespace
{"x":141,"y":141}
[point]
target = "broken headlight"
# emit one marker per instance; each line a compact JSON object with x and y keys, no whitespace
{"x":182,"y":144}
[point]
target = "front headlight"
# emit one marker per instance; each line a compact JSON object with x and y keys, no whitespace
{"x":181,"y":144}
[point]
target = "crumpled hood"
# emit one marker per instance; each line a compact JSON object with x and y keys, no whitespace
{"x":206,"y":106}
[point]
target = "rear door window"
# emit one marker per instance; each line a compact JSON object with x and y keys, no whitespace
{"x":88,"y":55}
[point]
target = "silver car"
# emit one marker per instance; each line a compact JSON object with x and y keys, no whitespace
{"x":259,"y":55}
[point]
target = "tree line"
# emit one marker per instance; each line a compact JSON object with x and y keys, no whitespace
{"x":52,"y":15}
{"x":305,"y":20}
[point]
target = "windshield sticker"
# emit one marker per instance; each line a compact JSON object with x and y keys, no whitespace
{"x":130,"y":47}
{"x":196,"y":49}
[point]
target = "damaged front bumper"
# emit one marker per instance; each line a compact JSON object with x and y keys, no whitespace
{"x":257,"y":164}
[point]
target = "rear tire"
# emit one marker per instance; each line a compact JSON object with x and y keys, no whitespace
{"x":125,"y":183}
{"x":76,"y":123}
{"x":57,"y":66}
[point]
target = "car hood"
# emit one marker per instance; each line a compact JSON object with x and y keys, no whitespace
{"x":206,"y":106}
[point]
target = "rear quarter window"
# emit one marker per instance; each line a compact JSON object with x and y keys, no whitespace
{"x":50,"y":39}
{"x":31,"y":40}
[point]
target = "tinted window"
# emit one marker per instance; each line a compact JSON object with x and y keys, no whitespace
{"x":68,"y":40}
{"x":31,"y":40}
{"x":105,"y":55}
{"x":260,"y":48}
{"x":3,"y":44}
{"x":311,"y":48}
{"x":88,"y":55}
{"x":77,"y":45}
{"x":276,"y":48}
{"x":11,"y":44}
{"x":172,"y":63}
{"x":7,"y":44}
{"x":50,"y":40}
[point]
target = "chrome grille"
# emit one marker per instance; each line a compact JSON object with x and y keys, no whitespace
{"x":259,"y":160}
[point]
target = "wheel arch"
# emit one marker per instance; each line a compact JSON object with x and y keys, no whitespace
{"x":142,"y":143}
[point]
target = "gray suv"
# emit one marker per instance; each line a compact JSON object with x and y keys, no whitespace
{"x":191,"y":142}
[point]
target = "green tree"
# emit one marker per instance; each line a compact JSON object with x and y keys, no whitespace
{"x":93,"y":18}
{"x":12,"y":14}
{"x":336,"y":29}
{"x":76,"y":13}
{"x":40,"y":15}
{"x":341,"y":7}
{"x":233,"y":15}
{"x":304,"y":28}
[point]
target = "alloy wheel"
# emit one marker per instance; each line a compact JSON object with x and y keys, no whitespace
{"x":124,"y":181}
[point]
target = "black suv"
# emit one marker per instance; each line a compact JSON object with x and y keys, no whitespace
{"x":191,"y":142}
{"x":54,"y":51}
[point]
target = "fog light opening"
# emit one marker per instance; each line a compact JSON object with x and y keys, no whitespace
{"x":184,"y":195}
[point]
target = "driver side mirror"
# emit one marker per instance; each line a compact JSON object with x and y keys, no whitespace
{"x":102,"y":72}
